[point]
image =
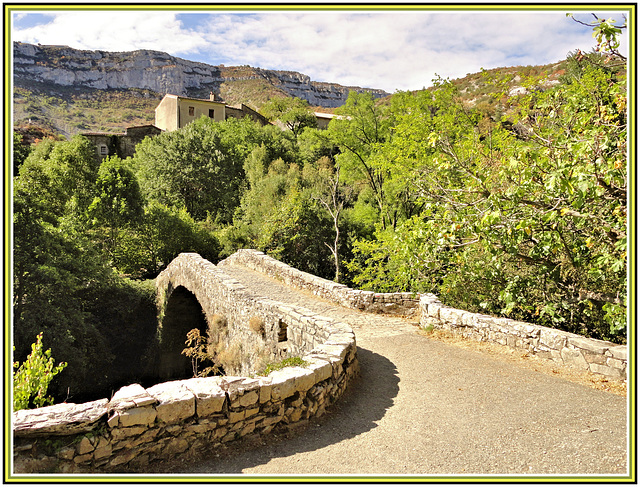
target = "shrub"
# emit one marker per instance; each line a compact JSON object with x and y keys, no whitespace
{"x":197,"y":351}
{"x":32,"y":377}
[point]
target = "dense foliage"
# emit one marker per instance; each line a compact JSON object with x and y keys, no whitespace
{"x":515,"y":207}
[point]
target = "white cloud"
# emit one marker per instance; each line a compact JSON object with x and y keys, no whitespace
{"x":114,"y":31}
{"x":388,"y":50}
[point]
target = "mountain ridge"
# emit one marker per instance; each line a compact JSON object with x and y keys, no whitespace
{"x":163,"y":73}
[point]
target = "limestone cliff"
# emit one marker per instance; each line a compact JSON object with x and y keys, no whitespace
{"x":159,"y":72}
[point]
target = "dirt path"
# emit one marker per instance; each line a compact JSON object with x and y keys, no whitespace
{"x":425,"y":407}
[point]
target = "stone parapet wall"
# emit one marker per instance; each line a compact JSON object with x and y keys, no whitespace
{"x":588,"y":354}
{"x":138,"y":426}
{"x":388,"y":303}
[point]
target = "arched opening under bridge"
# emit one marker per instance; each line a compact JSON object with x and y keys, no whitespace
{"x":183,"y":313}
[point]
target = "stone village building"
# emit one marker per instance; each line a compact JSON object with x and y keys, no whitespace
{"x":122,"y":145}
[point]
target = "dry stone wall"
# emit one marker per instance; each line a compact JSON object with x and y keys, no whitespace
{"x":388,"y":303}
{"x":596,"y":356}
{"x":138,"y":426}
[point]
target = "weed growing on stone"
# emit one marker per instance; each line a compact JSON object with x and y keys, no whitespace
{"x":288,"y":362}
{"x":256,"y":324}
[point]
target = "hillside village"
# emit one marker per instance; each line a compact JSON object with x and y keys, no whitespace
{"x":175,"y":112}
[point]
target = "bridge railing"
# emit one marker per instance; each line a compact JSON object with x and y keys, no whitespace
{"x":596,"y":356}
{"x":389,"y":303}
{"x":589,"y":354}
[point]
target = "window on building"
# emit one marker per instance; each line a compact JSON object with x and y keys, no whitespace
{"x":211,"y":113}
{"x":192,"y":111}
{"x":104,"y":151}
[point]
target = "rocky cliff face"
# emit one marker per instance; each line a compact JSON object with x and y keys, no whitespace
{"x":156,"y":71}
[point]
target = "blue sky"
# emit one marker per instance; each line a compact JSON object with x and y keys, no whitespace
{"x":390,"y":50}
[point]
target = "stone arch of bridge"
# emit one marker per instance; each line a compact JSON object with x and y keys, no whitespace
{"x":182,"y":313}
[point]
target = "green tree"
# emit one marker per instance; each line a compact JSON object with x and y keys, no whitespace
{"x":333,"y":196}
{"x":294,"y":113}
{"x":537,"y":225}
{"x":360,"y":133}
{"x":163,"y":234}
{"x":65,"y":173}
{"x":196,"y":168}
{"x":21,"y":151}
{"x":295,"y":233}
{"x":118,"y":203}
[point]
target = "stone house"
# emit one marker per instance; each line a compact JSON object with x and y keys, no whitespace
{"x":324,"y":119}
{"x":122,"y":145}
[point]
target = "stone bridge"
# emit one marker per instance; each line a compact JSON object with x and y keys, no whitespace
{"x":419,"y":407}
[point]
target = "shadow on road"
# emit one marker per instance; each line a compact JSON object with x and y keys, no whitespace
{"x":365,"y":402}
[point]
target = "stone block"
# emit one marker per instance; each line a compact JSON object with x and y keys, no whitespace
{"x":174,"y":430}
{"x":340,"y":338}
{"x":199,"y":429}
{"x":265,"y":389}
{"x":251,"y":412}
{"x":137,"y":416}
{"x":595,"y":358}
{"x":130,"y":396}
{"x":208,"y":394}
{"x":552,"y":339}
{"x":119,"y":434}
{"x":469,"y":319}
{"x":595,"y":346}
{"x":619,"y":352}
{"x":59,"y":419}
{"x":125,"y":457}
{"x":607,"y":371}
{"x":84,"y":446}
{"x":452,"y":316}
{"x":616,"y":364}
{"x":433,"y":309}
{"x":295,"y":415}
{"x":175,"y":402}
{"x":236,"y":416}
{"x":526,"y":330}
{"x":249,"y":428}
{"x":282,"y":383}
{"x":249,"y":398}
{"x":321,"y":368}
{"x":305,"y":379}
{"x":337,"y":351}
{"x":103,"y":449}
{"x":83,"y":458}
{"x":573,"y":358}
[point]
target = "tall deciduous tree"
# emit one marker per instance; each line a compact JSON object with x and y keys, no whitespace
{"x":196,"y":168}
{"x":293,"y":113}
{"x":118,"y":203}
{"x":360,"y":133}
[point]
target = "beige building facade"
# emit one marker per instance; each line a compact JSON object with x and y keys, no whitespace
{"x":174,"y":112}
